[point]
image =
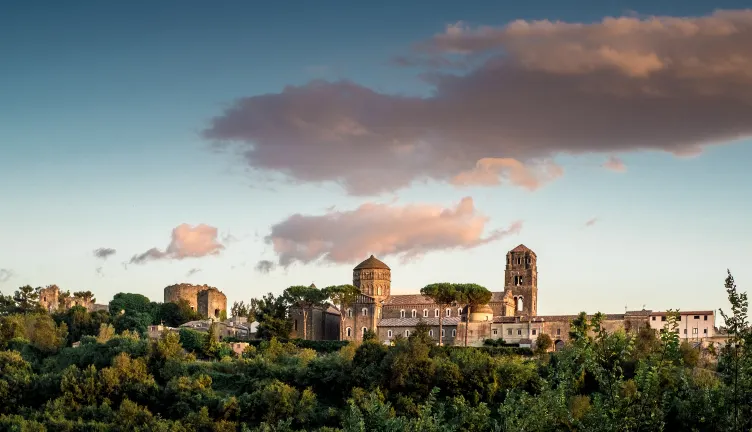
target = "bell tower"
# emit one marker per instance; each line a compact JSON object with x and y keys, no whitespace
{"x":521,"y":279}
{"x":373,"y":278}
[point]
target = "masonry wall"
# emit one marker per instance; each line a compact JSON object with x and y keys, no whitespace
{"x":187,"y":292}
{"x":49,"y":298}
{"x":211,"y":303}
{"x":451,"y":333}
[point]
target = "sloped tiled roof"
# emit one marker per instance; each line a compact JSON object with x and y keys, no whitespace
{"x":371,"y":263}
{"x":412,"y":322}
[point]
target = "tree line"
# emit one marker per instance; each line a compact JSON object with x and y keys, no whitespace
{"x":118,"y":380}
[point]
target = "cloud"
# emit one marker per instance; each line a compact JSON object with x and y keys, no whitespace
{"x":99,"y":271}
{"x":104,"y":253}
{"x":192,"y":272}
{"x":591,"y":222}
{"x":187,"y":242}
{"x":615,"y":164}
{"x":542,"y":89}
{"x":381,"y":229}
{"x":494,"y":171}
{"x":5,"y":274}
{"x":265,"y":266}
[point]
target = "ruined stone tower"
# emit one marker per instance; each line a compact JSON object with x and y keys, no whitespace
{"x":204,"y":299}
{"x":373,"y":278}
{"x":521,"y":279}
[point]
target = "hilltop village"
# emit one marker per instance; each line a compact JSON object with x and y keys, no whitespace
{"x":511,"y":314}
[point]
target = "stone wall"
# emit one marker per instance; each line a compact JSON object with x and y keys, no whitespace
{"x":211,"y":303}
{"x":187,"y":292}
{"x":49,"y":298}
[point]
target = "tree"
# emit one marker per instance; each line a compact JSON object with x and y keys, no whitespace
{"x":272,"y":318}
{"x":26,"y":299}
{"x":86,"y":296}
{"x":443,"y":294}
{"x":130,"y":303}
{"x":543,"y":343}
{"x":306,"y":298}
{"x":211,"y":346}
{"x":241,"y":309}
{"x":342,"y":296}
{"x":7,"y":305}
{"x":736,"y":356}
{"x":472,"y":295}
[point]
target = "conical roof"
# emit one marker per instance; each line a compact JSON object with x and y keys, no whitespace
{"x":371,"y":263}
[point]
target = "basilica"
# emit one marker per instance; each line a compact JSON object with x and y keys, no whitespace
{"x":511,"y":314}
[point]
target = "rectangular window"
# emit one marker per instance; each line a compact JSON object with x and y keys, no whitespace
{"x":678,"y":318}
{"x":519,"y":332}
{"x":697,"y":316}
{"x":495,"y":332}
{"x":558,"y":332}
{"x":663,"y":318}
{"x":653,"y":318}
{"x":425,"y":313}
{"x":706,"y":317}
{"x":705,"y":331}
{"x":685,"y":331}
{"x":534,"y":332}
{"x":694,"y":331}
{"x":509,"y":332}
{"x":443,"y":332}
{"x":389,"y":333}
{"x":454,"y":332}
{"x":448,"y":312}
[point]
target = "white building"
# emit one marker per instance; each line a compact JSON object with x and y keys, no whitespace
{"x":693,"y":325}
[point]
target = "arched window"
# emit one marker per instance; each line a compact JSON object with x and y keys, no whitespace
{"x":349,"y":313}
{"x":349,"y":332}
{"x":365,"y":329}
{"x":378,"y":313}
{"x":389,"y":333}
{"x":436,"y":313}
{"x":454,"y":332}
{"x":443,"y":332}
{"x":378,"y":290}
{"x":459,"y":311}
{"x":402,"y":313}
{"x":295,"y":326}
{"x":448,"y":312}
{"x":425,"y":313}
{"x":519,"y":303}
{"x":407,"y":333}
{"x":430,"y":333}
{"x":364,"y":311}
{"x":522,"y":280}
{"x":415,"y":313}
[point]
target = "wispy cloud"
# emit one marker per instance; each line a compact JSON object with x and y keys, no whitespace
{"x":591,"y":222}
{"x":104,"y":253}
{"x":192,"y":272}
{"x":615,"y":164}
{"x":265,"y":266}
{"x":6,"y":274}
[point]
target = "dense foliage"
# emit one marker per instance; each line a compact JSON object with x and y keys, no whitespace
{"x":190,"y":381}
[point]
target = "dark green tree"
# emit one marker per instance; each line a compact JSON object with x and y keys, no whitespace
{"x":342,"y":296}
{"x":473,"y":295}
{"x":443,"y":294}
{"x":26,"y":299}
{"x":273,"y":318}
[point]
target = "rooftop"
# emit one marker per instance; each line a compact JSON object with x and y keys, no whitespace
{"x":522,"y":248}
{"x":371,"y":263}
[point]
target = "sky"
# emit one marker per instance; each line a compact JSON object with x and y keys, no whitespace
{"x":256,"y":145}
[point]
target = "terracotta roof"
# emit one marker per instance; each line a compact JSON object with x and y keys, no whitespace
{"x":332,"y":310}
{"x":371,"y":263}
{"x":407,"y":299}
{"x":522,"y":248}
{"x":497,"y":297}
{"x":412,"y":322}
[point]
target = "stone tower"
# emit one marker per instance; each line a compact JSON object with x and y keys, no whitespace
{"x":521,"y":279}
{"x":373,"y":278}
{"x":212,"y":303}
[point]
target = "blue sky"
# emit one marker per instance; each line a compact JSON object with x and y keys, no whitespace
{"x":102,"y":107}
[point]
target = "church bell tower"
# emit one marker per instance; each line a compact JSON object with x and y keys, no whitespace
{"x":521,"y":279}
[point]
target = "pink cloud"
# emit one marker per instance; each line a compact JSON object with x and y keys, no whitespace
{"x":187,"y":242}
{"x":591,"y":222}
{"x":615,"y":164}
{"x":495,"y":171}
{"x":543,"y":89}
{"x":383,"y":230}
